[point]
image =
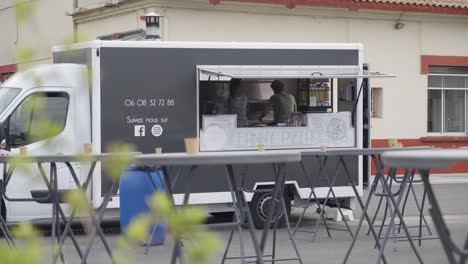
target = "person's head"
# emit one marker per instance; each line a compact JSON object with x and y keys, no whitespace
{"x":277,"y":86}
{"x":234,"y":87}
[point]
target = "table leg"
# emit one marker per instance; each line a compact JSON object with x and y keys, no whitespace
{"x":238,"y":218}
{"x":3,"y":225}
{"x":97,"y":231}
{"x":437,"y":218}
{"x":331,"y":191}
{"x":364,"y":210}
{"x":288,"y":227}
{"x":245,"y":212}
{"x":396,"y":212}
{"x":155,"y":187}
{"x":57,"y":210}
{"x":312,"y":193}
{"x":84,"y":187}
{"x":177,"y":250}
{"x":272,"y":208}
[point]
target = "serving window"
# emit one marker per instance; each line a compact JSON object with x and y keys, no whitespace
{"x":242,"y":106}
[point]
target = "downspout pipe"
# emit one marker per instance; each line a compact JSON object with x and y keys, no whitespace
{"x":75,"y":26}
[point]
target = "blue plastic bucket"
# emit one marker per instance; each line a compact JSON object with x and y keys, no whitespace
{"x":135,"y":189}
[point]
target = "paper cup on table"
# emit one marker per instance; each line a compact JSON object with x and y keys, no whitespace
{"x":88,"y":148}
{"x":261,"y":147}
{"x":23,"y":150}
{"x":191,"y":145}
{"x":158,"y":150}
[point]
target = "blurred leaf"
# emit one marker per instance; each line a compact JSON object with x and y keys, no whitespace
{"x":31,"y":253}
{"x":74,"y":38}
{"x":137,"y":230}
{"x":25,"y":231}
{"x":122,"y":243}
{"x":116,"y":165}
{"x":6,"y":254}
{"x":44,"y":129}
{"x":182,"y":223}
{"x":160,"y":203}
{"x":22,"y":165}
{"x":77,"y":199}
{"x":84,"y":157}
{"x":25,"y":54}
{"x":24,"y":9}
{"x":203,"y":248}
{"x":70,"y":40}
{"x":120,"y":258}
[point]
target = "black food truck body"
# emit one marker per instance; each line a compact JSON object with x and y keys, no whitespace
{"x":155,"y":94}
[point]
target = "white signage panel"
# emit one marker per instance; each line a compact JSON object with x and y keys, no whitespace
{"x":323,"y":129}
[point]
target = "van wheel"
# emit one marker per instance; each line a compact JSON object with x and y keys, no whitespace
{"x":260,"y":205}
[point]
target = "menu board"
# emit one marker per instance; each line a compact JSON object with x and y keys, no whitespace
{"x":323,"y":129}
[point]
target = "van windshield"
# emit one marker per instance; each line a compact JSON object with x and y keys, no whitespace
{"x":6,"y":96}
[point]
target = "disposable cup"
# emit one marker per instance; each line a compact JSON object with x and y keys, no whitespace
{"x":158,"y":150}
{"x":23,"y":150}
{"x":88,"y":148}
{"x":261,"y":147}
{"x":191,"y":145}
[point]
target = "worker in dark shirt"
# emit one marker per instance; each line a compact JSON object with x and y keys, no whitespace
{"x":282,"y":104}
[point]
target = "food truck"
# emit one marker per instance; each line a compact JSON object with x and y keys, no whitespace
{"x":155,"y":94}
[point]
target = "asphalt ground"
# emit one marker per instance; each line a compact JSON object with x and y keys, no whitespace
{"x":451,"y":192}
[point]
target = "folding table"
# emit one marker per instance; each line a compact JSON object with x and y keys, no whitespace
{"x":424,"y":160}
{"x":374,"y":153}
{"x":277,"y":158}
{"x":58,"y":215}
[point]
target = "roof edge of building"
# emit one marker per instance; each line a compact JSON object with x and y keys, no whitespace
{"x":355,"y":5}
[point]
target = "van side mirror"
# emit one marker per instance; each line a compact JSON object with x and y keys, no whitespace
{"x":3,"y":136}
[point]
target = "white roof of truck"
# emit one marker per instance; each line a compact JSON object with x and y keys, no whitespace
{"x":214,"y":45}
{"x":49,"y":75}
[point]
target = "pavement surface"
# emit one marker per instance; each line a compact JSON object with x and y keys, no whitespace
{"x":451,"y":192}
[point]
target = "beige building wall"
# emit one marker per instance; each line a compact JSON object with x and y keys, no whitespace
{"x":46,"y":27}
{"x":385,"y":48}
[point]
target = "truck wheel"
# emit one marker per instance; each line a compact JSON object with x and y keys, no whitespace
{"x":259,"y":207}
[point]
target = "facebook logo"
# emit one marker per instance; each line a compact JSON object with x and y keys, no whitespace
{"x":139,"y":131}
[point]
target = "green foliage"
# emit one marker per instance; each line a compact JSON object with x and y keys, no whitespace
{"x":22,"y":163}
{"x":28,"y":252}
{"x":115,"y":166}
{"x":120,"y":258}
{"x":202,"y":247}
{"x":138,"y":228}
{"x":24,"y":9}
{"x":26,"y":53}
{"x":160,"y":203}
{"x":44,"y":129}
{"x":77,"y":200}
{"x":25,"y":231}
{"x":182,"y":223}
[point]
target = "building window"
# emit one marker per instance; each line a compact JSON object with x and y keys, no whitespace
{"x":377,"y":102}
{"x":447,"y":100}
